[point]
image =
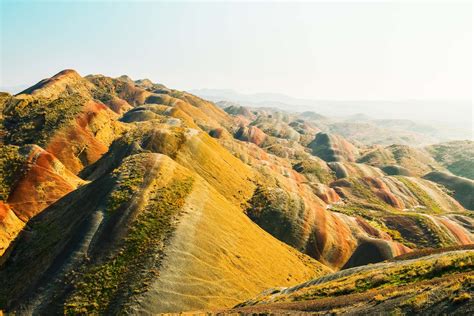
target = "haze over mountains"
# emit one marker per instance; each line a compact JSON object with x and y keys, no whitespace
{"x":435,"y":120}
{"x":127,"y":196}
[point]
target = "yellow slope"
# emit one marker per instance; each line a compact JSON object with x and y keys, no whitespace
{"x":218,"y":257}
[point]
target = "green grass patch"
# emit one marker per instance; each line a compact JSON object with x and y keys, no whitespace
{"x":129,"y":177}
{"x":421,"y":195}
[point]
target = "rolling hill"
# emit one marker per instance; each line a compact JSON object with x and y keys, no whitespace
{"x":122,"y":196}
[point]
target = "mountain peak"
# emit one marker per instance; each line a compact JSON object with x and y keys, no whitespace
{"x":67,"y":72}
{"x":52,"y":87}
{"x":125,"y":78}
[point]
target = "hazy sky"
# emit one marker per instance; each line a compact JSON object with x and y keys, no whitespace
{"x":397,"y":50}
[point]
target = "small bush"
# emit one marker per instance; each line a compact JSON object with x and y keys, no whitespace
{"x":461,"y":298}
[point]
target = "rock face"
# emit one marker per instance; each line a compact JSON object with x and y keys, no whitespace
{"x":123,"y":196}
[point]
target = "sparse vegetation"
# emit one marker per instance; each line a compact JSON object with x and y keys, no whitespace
{"x":100,"y":285}
{"x":129,"y":177}
{"x":448,"y":275}
{"x":314,"y":169}
{"x":421,"y":195}
{"x":34,"y":121}
{"x":276,"y":211}
{"x":11,"y":163}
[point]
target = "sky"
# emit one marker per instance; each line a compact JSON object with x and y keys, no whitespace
{"x":323,"y":50}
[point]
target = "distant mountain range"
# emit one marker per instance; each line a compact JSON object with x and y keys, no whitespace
{"x":451,"y":119}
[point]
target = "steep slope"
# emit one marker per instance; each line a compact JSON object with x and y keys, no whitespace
{"x":11,"y":163}
{"x":32,"y":179}
{"x":191,"y":148}
{"x":86,"y":139}
{"x":10,"y":226}
{"x":290,"y":203}
{"x":462,"y":188}
{"x":143,"y":239}
{"x":60,"y":115}
{"x":300,"y":219}
{"x":432,"y":284}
